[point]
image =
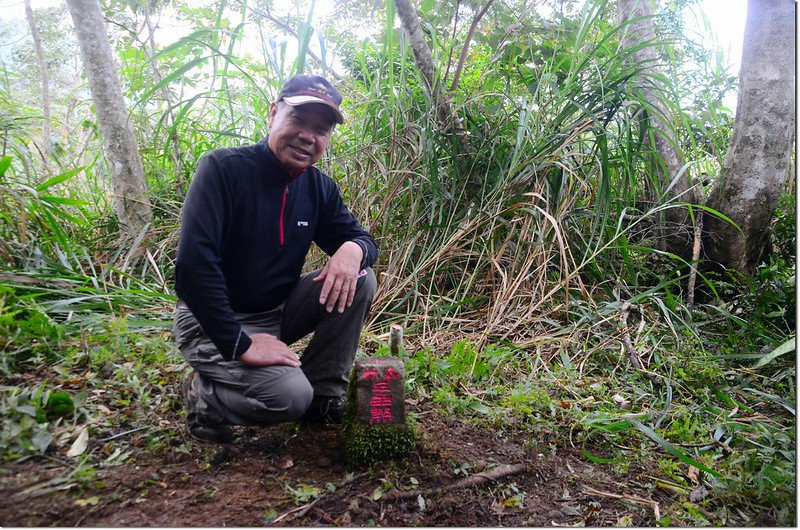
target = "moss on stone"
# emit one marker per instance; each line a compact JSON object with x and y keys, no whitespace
{"x":367,"y":444}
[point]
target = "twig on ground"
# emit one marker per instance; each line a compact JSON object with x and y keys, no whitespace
{"x":632,"y":498}
{"x":120,"y":435}
{"x":475,"y":480}
{"x":633,"y":355}
{"x":325,"y":517}
{"x":300,"y":511}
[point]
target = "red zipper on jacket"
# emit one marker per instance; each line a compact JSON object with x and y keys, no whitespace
{"x":283,"y":212}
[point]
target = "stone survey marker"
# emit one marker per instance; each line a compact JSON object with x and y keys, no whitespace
{"x":375,"y":427}
{"x":380,"y":391}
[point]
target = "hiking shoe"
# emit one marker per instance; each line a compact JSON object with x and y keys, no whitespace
{"x":325,"y":409}
{"x":199,"y":429}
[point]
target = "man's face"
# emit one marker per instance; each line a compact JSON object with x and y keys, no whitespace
{"x":299,"y":135}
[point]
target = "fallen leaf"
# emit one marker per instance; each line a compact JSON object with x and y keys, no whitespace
{"x":285,"y":462}
{"x":698,"y":494}
{"x":693,"y":475}
{"x":621,"y":402}
{"x":80,"y":444}
{"x":91,"y":501}
{"x":625,"y":521}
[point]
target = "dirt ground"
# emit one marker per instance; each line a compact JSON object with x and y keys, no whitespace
{"x":292,"y":475}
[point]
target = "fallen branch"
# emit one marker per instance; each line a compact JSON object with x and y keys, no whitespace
{"x":475,"y":480}
{"x":631,"y":498}
{"x":633,"y":355}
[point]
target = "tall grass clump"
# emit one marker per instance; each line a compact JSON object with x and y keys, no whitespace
{"x":494,"y":241}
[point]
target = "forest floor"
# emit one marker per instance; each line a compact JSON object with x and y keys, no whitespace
{"x":292,"y":475}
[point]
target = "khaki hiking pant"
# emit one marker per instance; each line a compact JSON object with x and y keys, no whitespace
{"x":233,"y":393}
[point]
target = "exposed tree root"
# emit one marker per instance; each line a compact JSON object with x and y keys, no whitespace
{"x":475,"y":480}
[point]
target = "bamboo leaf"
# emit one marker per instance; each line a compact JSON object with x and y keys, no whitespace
{"x":650,"y":433}
{"x":772,"y":397}
{"x":80,"y":444}
{"x":63,"y":200}
{"x":5,"y":162}
{"x":199,"y":36}
{"x":58,"y":178}
{"x":175,"y":74}
{"x":786,"y":347}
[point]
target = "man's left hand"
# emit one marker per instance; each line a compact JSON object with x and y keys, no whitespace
{"x":340,"y":276}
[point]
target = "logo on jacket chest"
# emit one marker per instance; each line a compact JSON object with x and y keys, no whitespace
{"x":302,"y":223}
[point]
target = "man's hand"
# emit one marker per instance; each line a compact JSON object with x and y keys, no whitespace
{"x":266,"y":350}
{"x":340,"y":275}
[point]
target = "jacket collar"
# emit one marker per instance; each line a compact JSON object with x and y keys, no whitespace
{"x":274,"y":168}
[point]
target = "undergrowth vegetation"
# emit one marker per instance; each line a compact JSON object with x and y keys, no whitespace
{"x":521,"y":263}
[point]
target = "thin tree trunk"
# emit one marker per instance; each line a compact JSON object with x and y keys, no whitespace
{"x":442,"y":101}
{"x":121,"y":150}
{"x":43,"y":80}
{"x":668,"y":161}
{"x":467,"y":41}
{"x":758,"y":160}
{"x":177,"y":166}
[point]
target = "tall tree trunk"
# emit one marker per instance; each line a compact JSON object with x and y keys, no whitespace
{"x":121,"y":150}
{"x":44,"y":81}
{"x":757,"y":163}
{"x":667,"y":160}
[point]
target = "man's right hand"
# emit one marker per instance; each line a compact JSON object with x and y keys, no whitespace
{"x":266,"y":350}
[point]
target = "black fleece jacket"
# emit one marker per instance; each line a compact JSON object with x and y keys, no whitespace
{"x":247,"y":226}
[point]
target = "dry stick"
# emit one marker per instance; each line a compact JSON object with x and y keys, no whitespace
{"x":633,"y":355}
{"x":632,"y":498}
{"x":475,"y":480}
{"x":698,"y":239}
{"x":120,"y":435}
{"x":396,"y":339}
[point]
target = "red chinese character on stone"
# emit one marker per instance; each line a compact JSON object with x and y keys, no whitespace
{"x":380,"y":401}
{"x":380,"y":415}
{"x":370,"y":373}
{"x":381,"y":387}
{"x":391,"y":375}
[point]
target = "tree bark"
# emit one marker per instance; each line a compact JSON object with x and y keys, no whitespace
{"x":43,"y":79}
{"x":758,"y":160}
{"x":667,"y":162}
{"x":121,"y":150}
{"x":442,"y":101}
